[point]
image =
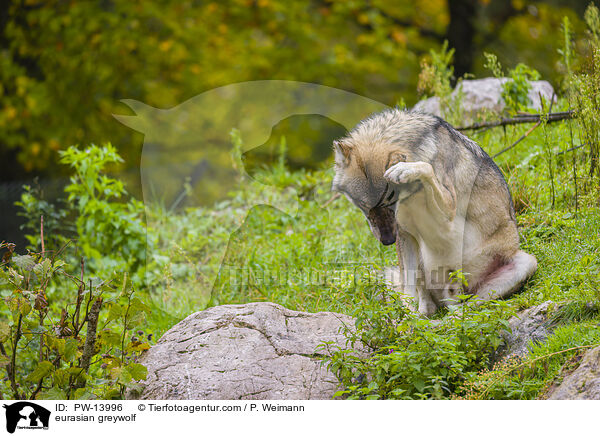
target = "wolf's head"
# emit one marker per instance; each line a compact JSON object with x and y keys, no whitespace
{"x":359,"y":176}
{"x":363,"y":156}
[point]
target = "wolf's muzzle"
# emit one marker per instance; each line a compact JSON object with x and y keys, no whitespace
{"x":382,"y":221}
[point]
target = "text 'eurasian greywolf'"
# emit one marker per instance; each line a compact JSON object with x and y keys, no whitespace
{"x":419,"y":180}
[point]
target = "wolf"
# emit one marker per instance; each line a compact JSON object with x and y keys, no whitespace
{"x":422,"y":183}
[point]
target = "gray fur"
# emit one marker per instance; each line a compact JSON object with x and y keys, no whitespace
{"x":451,"y":204}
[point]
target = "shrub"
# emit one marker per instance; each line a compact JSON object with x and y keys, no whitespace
{"x":58,"y":347}
{"x":106,"y":223}
{"x":408,"y":357}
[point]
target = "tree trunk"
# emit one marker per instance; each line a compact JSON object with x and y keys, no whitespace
{"x":460,"y":33}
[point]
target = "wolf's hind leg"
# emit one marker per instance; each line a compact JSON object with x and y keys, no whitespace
{"x":508,"y":278}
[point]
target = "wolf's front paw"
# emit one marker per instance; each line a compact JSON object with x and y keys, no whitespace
{"x":406,"y":172}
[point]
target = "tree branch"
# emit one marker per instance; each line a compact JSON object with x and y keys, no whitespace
{"x":525,"y":135}
{"x":521,"y":119}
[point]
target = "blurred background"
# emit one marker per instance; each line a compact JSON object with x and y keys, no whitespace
{"x":65,"y":66}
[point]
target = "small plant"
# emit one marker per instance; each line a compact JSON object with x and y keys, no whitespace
{"x":237,"y":152}
{"x":56,"y":219}
{"x":515,"y":91}
{"x":492,"y":64}
{"x":436,"y":78}
{"x":592,"y":19}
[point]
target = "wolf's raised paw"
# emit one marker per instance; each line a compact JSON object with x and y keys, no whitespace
{"x":406,"y":172}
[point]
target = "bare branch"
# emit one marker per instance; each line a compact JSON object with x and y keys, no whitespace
{"x":521,"y":119}
{"x":525,"y":135}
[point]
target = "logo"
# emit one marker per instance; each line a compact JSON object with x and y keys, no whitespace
{"x":26,"y":415}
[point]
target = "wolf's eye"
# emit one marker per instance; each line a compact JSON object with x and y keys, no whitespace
{"x":396,"y":157}
{"x":389,"y":197}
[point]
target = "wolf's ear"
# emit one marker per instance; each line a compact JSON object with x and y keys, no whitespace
{"x":342,"y":148}
{"x":395,"y":157}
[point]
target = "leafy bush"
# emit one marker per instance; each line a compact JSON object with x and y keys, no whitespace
{"x":106,"y":223}
{"x":58,"y":347}
{"x":61,"y":344}
{"x":403,"y":356}
{"x":107,"y":228}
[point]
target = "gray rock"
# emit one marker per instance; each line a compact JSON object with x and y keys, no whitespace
{"x":584,"y":382}
{"x":527,"y":327}
{"x":251,"y":351}
{"x":486,"y":94}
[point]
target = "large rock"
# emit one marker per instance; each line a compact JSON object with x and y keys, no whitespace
{"x":584,"y":382}
{"x":486,"y":95}
{"x":250,"y":351}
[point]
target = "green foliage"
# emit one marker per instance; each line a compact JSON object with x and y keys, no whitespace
{"x":163,"y":53}
{"x":492,"y":64}
{"x":436,"y":78}
{"x":587,"y":97}
{"x":108,"y":229}
{"x":515,"y":91}
{"x":404,"y":356}
{"x":55,"y":346}
{"x":592,"y":19}
{"x":56,"y":220}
